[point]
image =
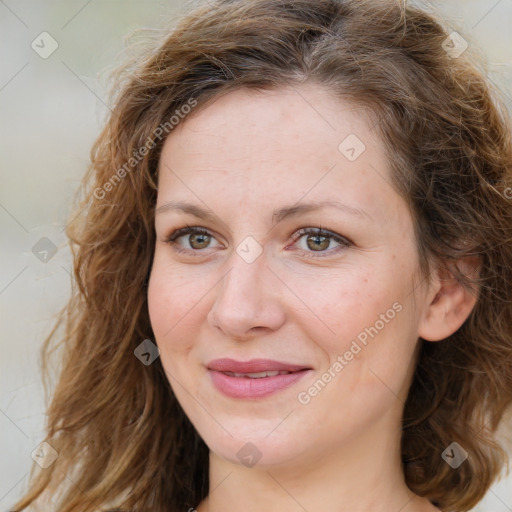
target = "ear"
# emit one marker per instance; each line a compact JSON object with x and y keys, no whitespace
{"x":449,"y":302}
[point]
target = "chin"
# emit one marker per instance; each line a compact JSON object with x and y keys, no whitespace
{"x":262,"y":453}
{"x":253,"y":442}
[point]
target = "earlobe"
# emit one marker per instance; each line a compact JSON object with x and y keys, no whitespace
{"x":449,"y":302}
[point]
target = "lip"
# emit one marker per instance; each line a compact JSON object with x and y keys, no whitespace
{"x":253,"y":366}
{"x":252,"y":388}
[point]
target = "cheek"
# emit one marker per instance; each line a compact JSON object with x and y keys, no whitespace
{"x":341,"y":304}
{"x":174,"y":300}
{"x":367,"y":317}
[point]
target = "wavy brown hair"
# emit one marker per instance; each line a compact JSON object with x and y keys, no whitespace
{"x":123,"y":440}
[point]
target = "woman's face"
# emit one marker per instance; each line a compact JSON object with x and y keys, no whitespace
{"x":254,"y":288}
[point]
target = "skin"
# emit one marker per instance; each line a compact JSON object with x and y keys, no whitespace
{"x":242,"y":157}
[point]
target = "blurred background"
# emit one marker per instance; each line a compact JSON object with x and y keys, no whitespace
{"x":56,"y":57}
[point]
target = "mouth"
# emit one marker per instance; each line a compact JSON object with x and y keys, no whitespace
{"x":253,"y":379}
{"x":258,"y":375}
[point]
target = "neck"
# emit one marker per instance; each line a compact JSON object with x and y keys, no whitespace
{"x":363,"y":474}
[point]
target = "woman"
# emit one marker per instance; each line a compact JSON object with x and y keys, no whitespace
{"x":293,"y":272}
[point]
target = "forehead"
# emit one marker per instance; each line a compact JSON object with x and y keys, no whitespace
{"x":281,"y":117}
{"x":266,"y":145}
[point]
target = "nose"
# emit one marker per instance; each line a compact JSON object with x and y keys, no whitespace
{"x":248,"y":300}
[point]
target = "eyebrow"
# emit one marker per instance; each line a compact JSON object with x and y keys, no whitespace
{"x":277,"y":216}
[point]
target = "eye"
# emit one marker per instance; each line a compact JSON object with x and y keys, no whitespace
{"x":320,"y":241}
{"x":194,"y":238}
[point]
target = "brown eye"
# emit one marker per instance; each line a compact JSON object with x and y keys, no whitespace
{"x":199,"y":240}
{"x":321,"y":242}
{"x":192,"y":239}
{"x":318,"y":242}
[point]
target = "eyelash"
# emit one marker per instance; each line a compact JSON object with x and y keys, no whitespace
{"x":188,"y":230}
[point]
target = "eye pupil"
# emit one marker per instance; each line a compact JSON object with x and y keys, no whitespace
{"x":323,"y":244}
{"x":201,"y":238}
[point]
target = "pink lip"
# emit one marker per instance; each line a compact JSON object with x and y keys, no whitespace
{"x":250,"y":388}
